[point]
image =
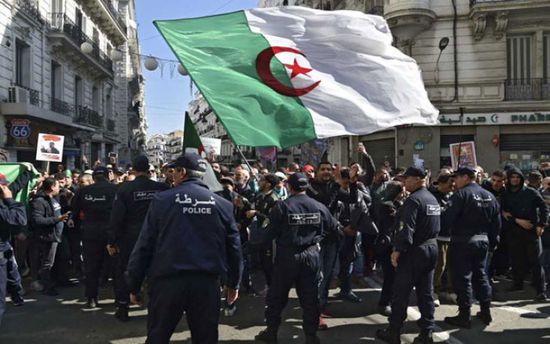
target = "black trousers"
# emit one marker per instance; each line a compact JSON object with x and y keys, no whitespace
{"x":525,"y":254}
{"x":94,"y":254}
{"x":122,"y":292}
{"x":468,"y":268}
{"x":303,"y":271}
{"x":415,"y":268}
{"x":196,"y":294}
{"x":383,"y":257}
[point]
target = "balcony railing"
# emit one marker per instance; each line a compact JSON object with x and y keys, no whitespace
{"x":528,"y":89}
{"x":111,"y":125}
{"x":85,"y":115}
{"x":30,"y":8}
{"x":34,"y":95}
{"x":61,"y":107}
{"x":115,"y":14}
{"x":62,"y":23}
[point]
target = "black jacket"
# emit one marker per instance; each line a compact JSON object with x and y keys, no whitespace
{"x":92,"y":207}
{"x":419,"y":220}
{"x":525,"y":203}
{"x":43,"y":219}
{"x":129,"y":209}
{"x":472,"y":211}
{"x":187,"y":228}
{"x":299,"y":222}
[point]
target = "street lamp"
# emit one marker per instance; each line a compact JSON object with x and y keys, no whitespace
{"x":443,"y":43}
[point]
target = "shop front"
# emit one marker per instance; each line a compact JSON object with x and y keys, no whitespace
{"x":22,"y":137}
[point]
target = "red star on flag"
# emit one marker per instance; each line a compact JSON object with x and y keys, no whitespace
{"x":297,"y":69}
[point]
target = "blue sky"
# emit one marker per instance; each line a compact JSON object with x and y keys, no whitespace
{"x":166,"y":98}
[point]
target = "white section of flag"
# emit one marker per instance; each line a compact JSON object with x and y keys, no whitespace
{"x":372,"y":84}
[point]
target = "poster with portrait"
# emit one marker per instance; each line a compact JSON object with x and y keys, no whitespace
{"x":463,"y":154}
{"x":212,"y":147}
{"x":50,"y":147}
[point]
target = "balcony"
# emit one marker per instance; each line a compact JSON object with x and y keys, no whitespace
{"x":527,"y":89}
{"x":61,"y":107}
{"x":87,"y":116}
{"x":104,"y":14}
{"x":22,"y":94}
{"x":68,"y":37}
{"x":29,"y":9}
{"x":496,"y":13}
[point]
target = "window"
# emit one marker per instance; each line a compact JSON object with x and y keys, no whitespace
{"x":57,"y":6}
{"x":520,"y":59}
{"x":78,"y":91}
{"x":546,"y":58}
{"x":22,"y":64}
{"x":56,"y":79}
{"x":108,"y":106}
{"x":95,"y":98}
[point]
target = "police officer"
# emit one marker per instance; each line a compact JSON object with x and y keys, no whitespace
{"x":473,"y":216}
{"x":189,"y":238}
{"x":91,"y":211}
{"x":298,"y":225}
{"x":129,"y":209}
{"x":414,"y":256}
{"x":11,"y":214}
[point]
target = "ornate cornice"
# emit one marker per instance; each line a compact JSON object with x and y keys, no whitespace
{"x":480,"y":23}
{"x":501,"y":23}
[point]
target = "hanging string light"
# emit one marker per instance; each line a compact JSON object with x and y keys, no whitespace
{"x":150,"y":62}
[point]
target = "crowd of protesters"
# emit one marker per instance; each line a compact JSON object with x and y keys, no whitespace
{"x":69,"y":233}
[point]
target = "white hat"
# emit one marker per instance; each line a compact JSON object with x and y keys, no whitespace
{"x":281,"y":175}
{"x":90,"y":172}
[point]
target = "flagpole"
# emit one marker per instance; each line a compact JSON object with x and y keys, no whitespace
{"x":246,"y":162}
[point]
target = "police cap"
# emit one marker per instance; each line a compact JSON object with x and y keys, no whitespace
{"x":141,"y":164}
{"x":298,"y":181}
{"x":101,"y":170}
{"x":190,"y":161}
{"x":415,"y":172}
{"x":465,"y":171}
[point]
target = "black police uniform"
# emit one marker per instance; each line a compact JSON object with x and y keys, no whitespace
{"x":415,"y":238}
{"x":91,"y":211}
{"x":189,"y":238}
{"x":129,"y":209}
{"x":12,"y":213}
{"x":298,"y":225}
{"x":473,"y":216}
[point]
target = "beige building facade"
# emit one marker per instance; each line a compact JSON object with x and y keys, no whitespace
{"x":486,"y":67}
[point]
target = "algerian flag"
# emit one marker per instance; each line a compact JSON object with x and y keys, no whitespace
{"x":284,"y":76}
{"x":192,"y":143}
{"x":12,"y":170}
{"x":191,"y":138}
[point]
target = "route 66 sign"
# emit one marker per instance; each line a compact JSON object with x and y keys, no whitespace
{"x":20,"y":129}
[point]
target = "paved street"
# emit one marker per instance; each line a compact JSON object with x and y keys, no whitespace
{"x":63,"y":320}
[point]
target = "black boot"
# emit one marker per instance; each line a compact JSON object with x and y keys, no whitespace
{"x":424,"y":338}
{"x":461,"y":320}
{"x":313,"y":340}
{"x":92,"y":303}
{"x":485,"y":314}
{"x":267,"y":336}
{"x":389,"y":335}
{"x":122,"y":313}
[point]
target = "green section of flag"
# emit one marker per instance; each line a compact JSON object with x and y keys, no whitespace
{"x":191,"y":138}
{"x":220,"y":52}
{"x":12,"y":171}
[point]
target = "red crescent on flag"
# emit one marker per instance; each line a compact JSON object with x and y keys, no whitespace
{"x":263,"y":69}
